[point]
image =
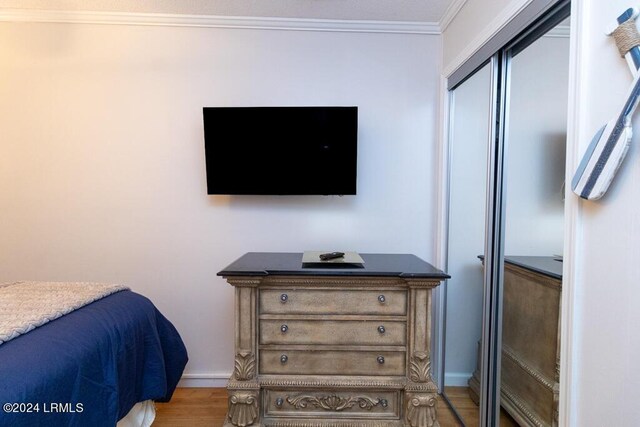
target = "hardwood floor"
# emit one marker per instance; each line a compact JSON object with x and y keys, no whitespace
{"x":469,"y":411}
{"x":199,"y":407}
{"x":193,"y":407}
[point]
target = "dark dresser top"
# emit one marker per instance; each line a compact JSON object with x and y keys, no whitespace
{"x":290,"y":264}
{"x":546,"y":265}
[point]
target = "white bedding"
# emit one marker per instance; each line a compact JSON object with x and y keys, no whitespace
{"x":26,"y":305}
{"x":141,"y":415}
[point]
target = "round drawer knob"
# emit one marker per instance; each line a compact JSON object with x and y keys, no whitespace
{"x":380,"y":360}
{"x":284,"y":298}
{"x":383,"y":403}
{"x":382,"y":299}
{"x":283,"y":359}
{"x":284,"y":329}
{"x":280,"y":402}
{"x":381,"y":329}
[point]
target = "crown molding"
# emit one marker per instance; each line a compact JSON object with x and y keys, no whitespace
{"x":454,"y":8}
{"x":561,"y":31}
{"x":502,"y":19}
{"x":211,"y":21}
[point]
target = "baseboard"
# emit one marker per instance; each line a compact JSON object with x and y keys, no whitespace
{"x":204,"y":380}
{"x":456,"y":379}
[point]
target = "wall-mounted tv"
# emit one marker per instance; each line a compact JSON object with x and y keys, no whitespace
{"x":281,"y":150}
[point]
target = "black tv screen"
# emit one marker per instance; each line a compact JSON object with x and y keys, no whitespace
{"x":281,"y":150}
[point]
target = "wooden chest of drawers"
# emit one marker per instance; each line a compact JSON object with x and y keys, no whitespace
{"x":336,"y":347}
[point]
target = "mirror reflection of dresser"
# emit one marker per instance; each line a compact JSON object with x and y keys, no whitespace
{"x":530,"y":367}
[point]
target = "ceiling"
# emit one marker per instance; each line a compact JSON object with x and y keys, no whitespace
{"x":367,"y":10}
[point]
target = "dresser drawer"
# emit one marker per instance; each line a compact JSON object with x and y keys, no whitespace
{"x":323,"y":362}
{"x":332,"y":404}
{"x":309,"y":301}
{"x":329,"y":332}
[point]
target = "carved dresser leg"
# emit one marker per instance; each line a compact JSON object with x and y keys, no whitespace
{"x":244,"y":398}
{"x":421,"y":410}
{"x":243,"y":387}
{"x":421,"y":393}
{"x":243,"y":408}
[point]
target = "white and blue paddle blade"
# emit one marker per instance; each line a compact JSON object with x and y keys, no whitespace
{"x":607,"y":150}
{"x":602,"y":160}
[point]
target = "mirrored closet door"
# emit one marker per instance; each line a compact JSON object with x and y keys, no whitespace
{"x":506,"y":154}
{"x":533,"y":239}
{"x":469,"y":148}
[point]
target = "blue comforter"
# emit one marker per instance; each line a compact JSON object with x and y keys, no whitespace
{"x":89,"y":367}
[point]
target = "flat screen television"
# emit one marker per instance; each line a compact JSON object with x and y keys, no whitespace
{"x":281,"y":150}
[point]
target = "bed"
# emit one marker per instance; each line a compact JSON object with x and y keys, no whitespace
{"x":90,"y":367}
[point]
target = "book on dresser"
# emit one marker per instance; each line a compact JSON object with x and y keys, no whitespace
{"x":339,"y":347}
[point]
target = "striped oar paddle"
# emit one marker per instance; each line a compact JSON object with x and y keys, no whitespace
{"x":610,"y":144}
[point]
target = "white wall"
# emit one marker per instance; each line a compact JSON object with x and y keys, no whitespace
{"x":536,"y":148}
{"x":605,"y":297}
{"x":102,"y":160}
